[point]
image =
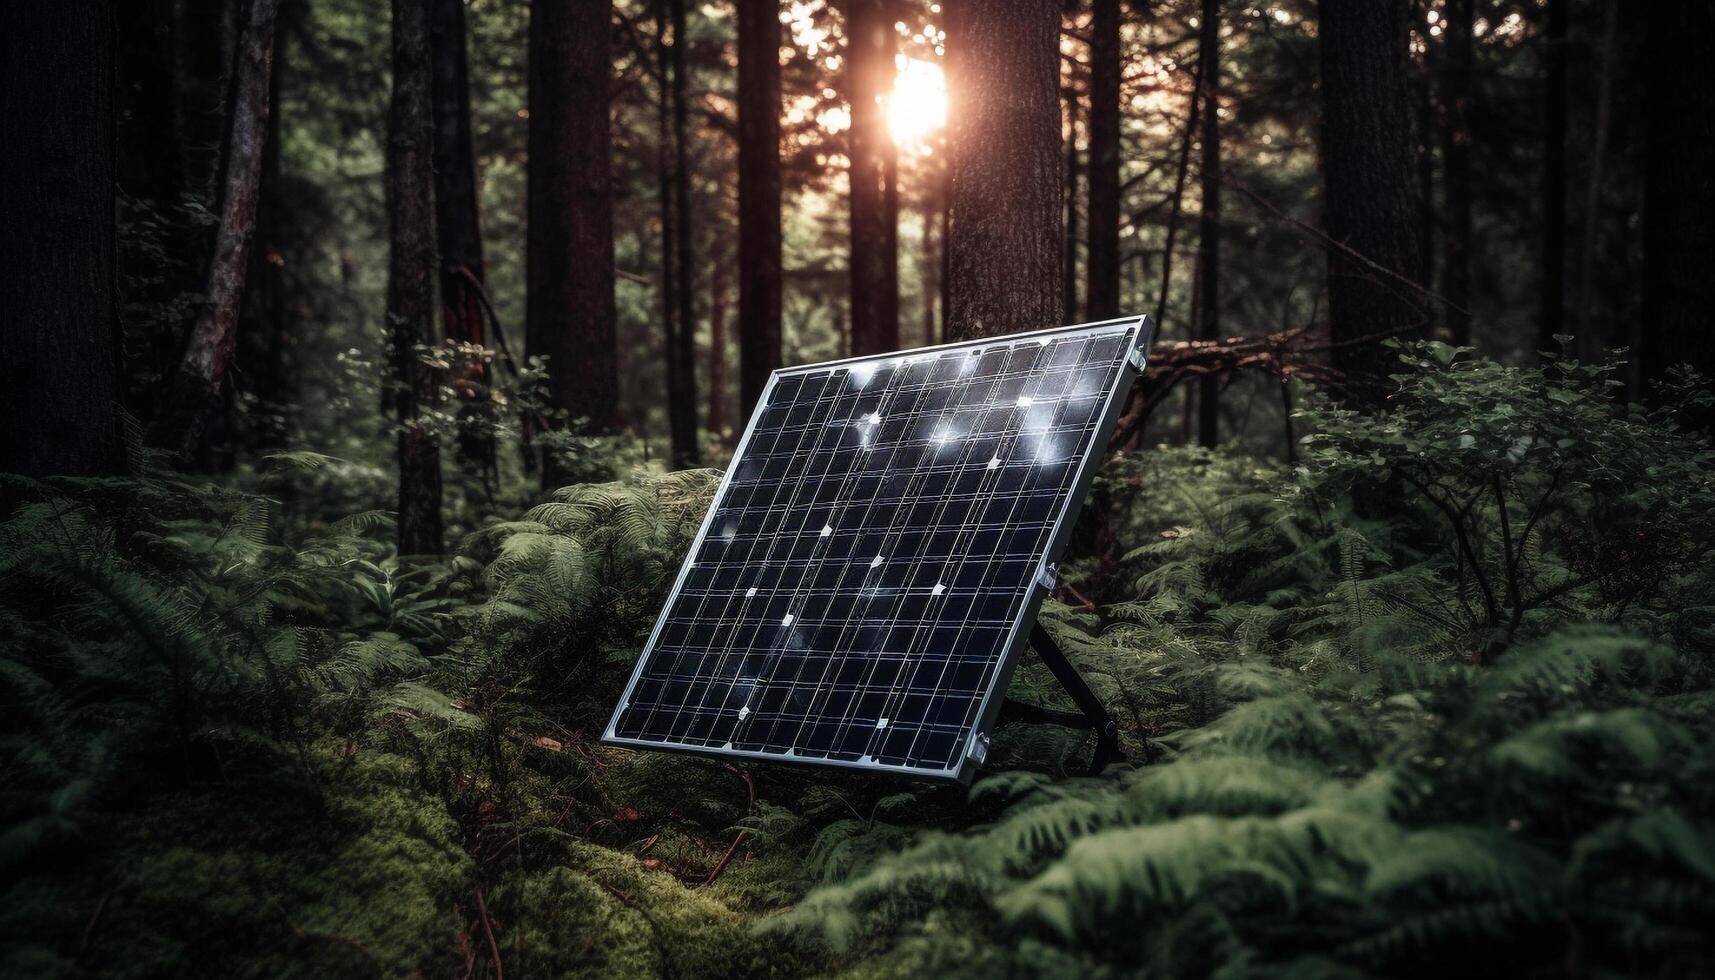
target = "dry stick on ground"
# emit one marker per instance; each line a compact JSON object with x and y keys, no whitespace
{"x":488,"y":931}
{"x":743,"y":835}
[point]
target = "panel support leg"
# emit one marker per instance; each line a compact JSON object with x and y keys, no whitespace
{"x":1091,"y":714}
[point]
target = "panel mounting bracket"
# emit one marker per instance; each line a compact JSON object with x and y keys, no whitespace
{"x":1091,"y":713}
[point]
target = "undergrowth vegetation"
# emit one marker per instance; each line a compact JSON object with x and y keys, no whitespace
{"x":1437,"y":697}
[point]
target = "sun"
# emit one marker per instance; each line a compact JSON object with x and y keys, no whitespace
{"x":918,"y":106}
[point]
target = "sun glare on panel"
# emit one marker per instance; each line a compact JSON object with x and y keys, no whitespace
{"x":918,"y":106}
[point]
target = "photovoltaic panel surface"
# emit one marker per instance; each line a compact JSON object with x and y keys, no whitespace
{"x":874,"y":555}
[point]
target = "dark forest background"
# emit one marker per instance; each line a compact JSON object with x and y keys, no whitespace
{"x":364,"y":360}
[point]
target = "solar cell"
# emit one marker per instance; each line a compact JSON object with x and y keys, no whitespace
{"x":877,"y":551}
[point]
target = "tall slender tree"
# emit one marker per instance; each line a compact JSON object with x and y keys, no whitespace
{"x":1102,"y":288}
{"x":1457,"y":88}
{"x":1074,"y":101}
{"x":1209,"y":219}
{"x":1679,"y":191}
{"x":264,"y":336}
{"x":458,"y":229}
{"x":411,"y":272}
{"x":870,"y":43}
{"x":759,"y":310}
{"x":681,"y":348}
{"x":1374,"y":266}
{"x":569,"y":270}
{"x":199,"y":381}
{"x":1552,"y":316}
{"x":59,"y":333}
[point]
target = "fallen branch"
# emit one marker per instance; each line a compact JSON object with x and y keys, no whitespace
{"x":1285,"y":354}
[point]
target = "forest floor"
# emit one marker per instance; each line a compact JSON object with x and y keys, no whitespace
{"x":250,"y":741}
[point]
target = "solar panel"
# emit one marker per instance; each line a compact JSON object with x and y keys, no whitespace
{"x":877,"y":552}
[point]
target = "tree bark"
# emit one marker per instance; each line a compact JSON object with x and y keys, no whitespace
{"x":411,"y":270}
{"x":1456,"y":158}
{"x":1371,"y":201}
{"x":1102,"y":289}
{"x":458,"y":228}
{"x":1679,"y":191}
{"x":569,"y":305}
{"x":716,"y":421}
{"x":263,"y":337}
{"x":874,"y":247}
{"x":1004,"y":239}
{"x":1069,"y":262}
{"x":759,"y":310}
{"x":1589,"y":345}
{"x":1209,"y":219}
{"x":59,"y":333}
{"x":197,"y":384}
{"x":681,"y":350}
{"x":1552,"y":318}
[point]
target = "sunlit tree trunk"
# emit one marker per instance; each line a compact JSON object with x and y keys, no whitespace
{"x":59,"y":330}
{"x":1102,"y":290}
{"x":873,"y":206}
{"x":759,"y":316}
{"x":411,"y":277}
{"x":1004,"y":239}
{"x":198,"y":382}
{"x":1069,"y":262}
{"x":569,"y":304}
{"x":1209,"y":224}
{"x":1372,"y":212}
{"x":1679,"y":191}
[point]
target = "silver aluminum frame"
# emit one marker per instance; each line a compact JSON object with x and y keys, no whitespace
{"x":1061,"y":531}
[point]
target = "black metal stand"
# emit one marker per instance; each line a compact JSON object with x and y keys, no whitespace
{"x":1090,"y":714}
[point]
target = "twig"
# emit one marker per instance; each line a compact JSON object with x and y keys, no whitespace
{"x":1337,"y":245}
{"x":94,"y":919}
{"x":743,"y":835}
{"x":493,"y":317}
{"x":488,"y":931}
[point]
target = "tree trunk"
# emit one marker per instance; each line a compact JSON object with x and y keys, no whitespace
{"x":681,"y":352}
{"x":717,"y":352}
{"x":263,"y":338}
{"x":1553,"y":313}
{"x":1589,"y":345}
{"x":759,"y":316}
{"x":874,"y":268}
{"x":1679,"y":191}
{"x":664,"y":185}
{"x":59,"y":335}
{"x":458,"y":229}
{"x":1374,"y":270}
{"x":1102,"y":291}
{"x":411,"y":276}
{"x":1209,"y":219}
{"x":569,"y":305}
{"x":197,"y":384}
{"x":1069,"y":262}
{"x":1456,"y":157}
{"x":1004,"y":239}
